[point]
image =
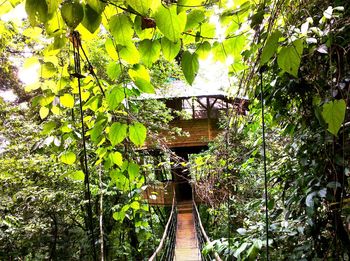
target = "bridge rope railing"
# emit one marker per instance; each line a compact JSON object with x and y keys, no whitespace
{"x":202,"y":236}
{"x":166,"y":247}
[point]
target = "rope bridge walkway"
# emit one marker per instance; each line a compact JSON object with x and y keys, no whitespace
{"x":184,"y":236}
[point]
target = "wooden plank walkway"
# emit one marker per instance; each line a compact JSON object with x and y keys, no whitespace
{"x":186,"y":248}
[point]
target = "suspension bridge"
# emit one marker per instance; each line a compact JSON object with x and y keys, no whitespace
{"x":184,"y":236}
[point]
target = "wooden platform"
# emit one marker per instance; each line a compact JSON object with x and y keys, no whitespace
{"x":186,"y":248}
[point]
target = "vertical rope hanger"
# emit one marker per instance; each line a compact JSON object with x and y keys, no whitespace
{"x":264,"y":159}
{"x":75,"y":38}
{"x":226,"y":170}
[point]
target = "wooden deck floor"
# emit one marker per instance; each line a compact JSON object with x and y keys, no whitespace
{"x":186,"y":248}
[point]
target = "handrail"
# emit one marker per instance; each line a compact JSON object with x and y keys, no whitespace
{"x":161,"y":243}
{"x":217,"y":257}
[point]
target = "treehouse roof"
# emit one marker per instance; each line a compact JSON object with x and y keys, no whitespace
{"x":179,"y":89}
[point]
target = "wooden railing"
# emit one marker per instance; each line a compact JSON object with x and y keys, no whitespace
{"x":202,"y":235}
{"x":169,"y":236}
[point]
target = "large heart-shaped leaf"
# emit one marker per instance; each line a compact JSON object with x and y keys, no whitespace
{"x":129,"y":53}
{"x":117,"y":133}
{"x":67,"y":100}
{"x":114,"y":97}
{"x":143,"y":7}
{"x":333,"y":112}
{"x":72,"y":13}
{"x":194,"y":18}
{"x":150,"y":51}
{"x":92,"y":19}
{"x":116,"y":157}
{"x":289,"y":57}
{"x":37,"y":11}
{"x":170,"y":49}
{"x":121,"y":28}
{"x":110,"y":48}
{"x":190,"y":66}
{"x":144,"y":85}
{"x":68,"y":157}
{"x":139,"y":72}
{"x":270,"y":47}
{"x":170,"y":23}
{"x":137,"y":133}
{"x":97,"y":5}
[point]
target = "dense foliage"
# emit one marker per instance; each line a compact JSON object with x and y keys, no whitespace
{"x":307,"y":146}
{"x":97,"y":58}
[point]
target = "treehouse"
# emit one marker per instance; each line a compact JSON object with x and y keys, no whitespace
{"x":197,"y":113}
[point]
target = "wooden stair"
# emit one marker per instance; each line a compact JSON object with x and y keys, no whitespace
{"x":186,"y":248}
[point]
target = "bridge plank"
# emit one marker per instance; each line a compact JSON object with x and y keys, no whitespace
{"x":186,"y":248}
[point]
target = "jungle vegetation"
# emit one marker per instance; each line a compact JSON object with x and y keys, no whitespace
{"x":71,"y":168}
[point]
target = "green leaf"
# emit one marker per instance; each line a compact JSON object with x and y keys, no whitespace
{"x":59,"y":42}
{"x":143,"y":7}
{"x":170,"y":23}
{"x":93,"y":103}
{"x":140,"y":75}
{"x":135,"y":205}
{"x":37,"y":11}
{"x":97,"y":130}
{"x":68,"y":157}
{"x":48,"y":70}
{"x":33,"y":32}
{"x":110,"y":48}
{"x":46,"y":100}
{"x":92,"y":19}
{"x":31,"y":62}
{"x":114,"y":97}
{"x":52,"y":6}
{"x":188,"y":4}
{"x":56,"y":25}
{"x":194,"y":18}
{"x":116,"y":158}
{"x":6,"y":7}
{"x":97,"y":5}
{"x":101,"y":152}
{"x":144,"y":85}
{"x":72,"y":13}
{"x":208,"y":30}
{"x":43,"y":112}
{"x":139,"y":72}
{"x":48,"y":127}
{"x":289,"y":57}
{"x":133,"y":171}
{"x":149,"y":51}
{"x":117,"y":133}
{"x":170,"y":49}
{"x":270,"y":47}
{"x":121,"y":182}
{"x":333,"y":112}
{"x":129,"y":53}
{"x":229,"y":48}
{"x":67,"y":100}
{"x":121,"y":28}
{"x":113,"y":70}
{"x":190,"y":66}
{"x":78,"y":175}
{"x":203,"y":50}
{"x":137,"y":133}
{"x":119,"y":216}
